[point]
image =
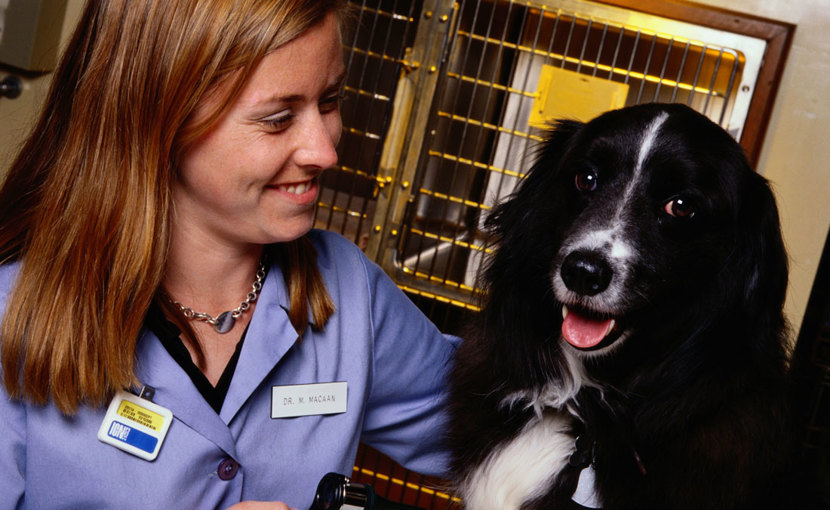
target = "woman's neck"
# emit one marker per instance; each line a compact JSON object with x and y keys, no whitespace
{"x":210,"y":277}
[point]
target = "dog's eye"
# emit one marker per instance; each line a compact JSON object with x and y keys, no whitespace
{"x":586,"y":180}
{"x":679,"y":207}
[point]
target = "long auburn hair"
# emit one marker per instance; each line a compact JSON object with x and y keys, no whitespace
{"x":85,"y":207}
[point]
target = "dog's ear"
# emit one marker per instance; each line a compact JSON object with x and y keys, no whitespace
{"x":519,"y":309}
{"x":760,"y":261}
{"x":535,"y":188}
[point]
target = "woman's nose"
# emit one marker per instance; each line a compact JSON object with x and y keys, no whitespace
{"x":318,"y":141}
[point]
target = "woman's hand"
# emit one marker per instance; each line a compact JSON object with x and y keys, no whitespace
{"x":260,"y":505}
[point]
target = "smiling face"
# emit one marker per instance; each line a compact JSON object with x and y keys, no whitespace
{"x":252,"y":178}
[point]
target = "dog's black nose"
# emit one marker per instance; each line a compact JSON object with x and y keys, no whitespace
{"x":586,"y":273}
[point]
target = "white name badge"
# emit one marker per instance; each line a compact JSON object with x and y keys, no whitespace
{"x":308,"y":399}
{"x":135,"y":425}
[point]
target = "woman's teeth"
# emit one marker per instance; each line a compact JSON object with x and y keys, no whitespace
{"x":297,"y":189}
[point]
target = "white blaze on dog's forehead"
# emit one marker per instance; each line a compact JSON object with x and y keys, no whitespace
{"x":649,"y":137}
{"x":646,"y":146}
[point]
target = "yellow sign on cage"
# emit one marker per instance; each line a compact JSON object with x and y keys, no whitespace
{"x":563,"y":94}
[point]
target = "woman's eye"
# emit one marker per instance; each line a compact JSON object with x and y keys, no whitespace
{"x":586,"y":180}
{"x":331,"y":103}
{"x":279,"y":121}
{"x":679,"y":207}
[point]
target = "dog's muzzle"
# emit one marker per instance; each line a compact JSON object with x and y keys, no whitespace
{"x":586,"y":273}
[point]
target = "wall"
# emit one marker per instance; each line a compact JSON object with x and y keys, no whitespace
{"x":17,"y":115}
{"x":796,"y":155}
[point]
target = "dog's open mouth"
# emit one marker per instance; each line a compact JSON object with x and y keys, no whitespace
{"x":588,"y":330}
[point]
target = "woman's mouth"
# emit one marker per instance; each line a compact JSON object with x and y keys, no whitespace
{"x":295,"y":189}
{"x":299,"y":192}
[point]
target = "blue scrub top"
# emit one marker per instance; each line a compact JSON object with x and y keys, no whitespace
{"x":392,"y":358}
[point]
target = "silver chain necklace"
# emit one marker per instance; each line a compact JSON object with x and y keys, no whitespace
{"x":224,"y":322}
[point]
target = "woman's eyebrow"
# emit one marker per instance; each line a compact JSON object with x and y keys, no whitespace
{"x":336,"y":85}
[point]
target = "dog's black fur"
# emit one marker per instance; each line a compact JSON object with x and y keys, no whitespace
{"x":687,"y":408}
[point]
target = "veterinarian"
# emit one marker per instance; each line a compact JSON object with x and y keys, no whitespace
{"x":174,"y":334}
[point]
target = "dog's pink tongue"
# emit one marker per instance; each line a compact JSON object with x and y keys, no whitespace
{"x":583,"y":332}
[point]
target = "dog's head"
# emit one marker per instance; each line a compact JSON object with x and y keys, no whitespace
{"x":644,"y":216}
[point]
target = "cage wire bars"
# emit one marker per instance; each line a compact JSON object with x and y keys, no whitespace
{"x":377,"y":51}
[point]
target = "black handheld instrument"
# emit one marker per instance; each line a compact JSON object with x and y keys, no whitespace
{"x":336,"y":491}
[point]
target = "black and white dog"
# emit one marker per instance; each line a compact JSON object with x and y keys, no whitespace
{"x":631,"y":352}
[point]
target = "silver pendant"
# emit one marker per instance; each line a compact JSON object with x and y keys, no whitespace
{"x":224,"y":322}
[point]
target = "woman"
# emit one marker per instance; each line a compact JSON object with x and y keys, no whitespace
{"x":172,"y":177}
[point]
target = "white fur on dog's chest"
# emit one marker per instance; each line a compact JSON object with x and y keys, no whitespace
{"x":523,"y":468}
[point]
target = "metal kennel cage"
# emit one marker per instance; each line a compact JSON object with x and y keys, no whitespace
{"x":445,"y":101}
